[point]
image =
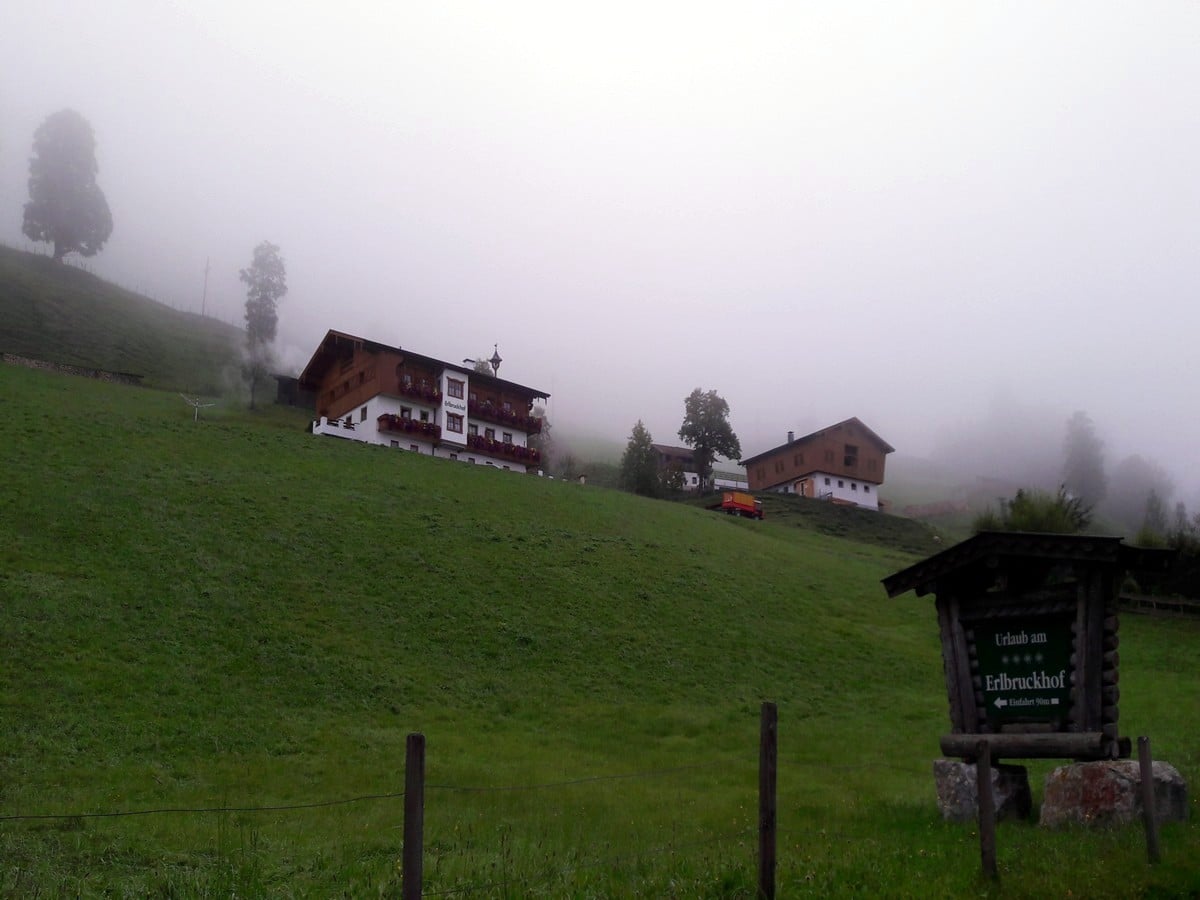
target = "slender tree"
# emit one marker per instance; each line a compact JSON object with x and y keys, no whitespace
{"x":1083,"y":469}
{"x":542,"y":441}
{"x":66,"y":207}
{"x":639,"y":463}
{"x":707,"y":431}
{"x":1155,"y":518}
{"x":266,"y":284}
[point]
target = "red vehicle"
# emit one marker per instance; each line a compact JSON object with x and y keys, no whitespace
{"x":738,"y":503}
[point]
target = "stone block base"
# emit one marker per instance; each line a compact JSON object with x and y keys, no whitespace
{"x":1110,"y":793}
{"x":958,"y":795}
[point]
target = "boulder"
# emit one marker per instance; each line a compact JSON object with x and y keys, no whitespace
{"x":958,"y":795}
{"x":1110,"y":793}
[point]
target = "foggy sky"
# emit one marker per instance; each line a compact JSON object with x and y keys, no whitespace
{"x":925,"y":215}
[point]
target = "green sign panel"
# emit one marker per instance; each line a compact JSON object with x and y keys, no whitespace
{"x":1025,"y":669}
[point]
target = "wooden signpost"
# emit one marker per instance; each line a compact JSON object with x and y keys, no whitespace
{"x":1028,"y":626}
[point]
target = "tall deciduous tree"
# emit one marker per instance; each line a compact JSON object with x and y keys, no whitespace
{"x":266,"y":284}
{"x":1083,"y":469}
{"x":707,"y":431}
{"x":639,"y":463}
{"x":66,"y":207}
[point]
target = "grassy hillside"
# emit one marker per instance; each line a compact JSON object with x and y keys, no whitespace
{"x":58,"y":313}
{"x":234,"y":614}
{"x":862,"y":525}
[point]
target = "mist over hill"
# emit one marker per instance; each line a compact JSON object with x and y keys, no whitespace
{"x":64,"y":314}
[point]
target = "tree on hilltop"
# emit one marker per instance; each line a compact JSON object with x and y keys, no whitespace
{"x":266,"y":284}
{"x":66,"y":207}
{"x":707,"y":431}
{"x":639,"y":463}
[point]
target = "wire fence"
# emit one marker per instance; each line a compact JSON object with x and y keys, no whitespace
{"x":686,"y":836}
{"x":542,"y":870}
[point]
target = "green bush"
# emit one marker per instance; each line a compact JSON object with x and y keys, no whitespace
{"x":1034,"y":510}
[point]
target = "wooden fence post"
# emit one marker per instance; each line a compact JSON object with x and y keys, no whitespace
{"x":1149,"y":812}
{"x":767,"y":762}
{"x":414,"y":817}
{"x":987,"y":808}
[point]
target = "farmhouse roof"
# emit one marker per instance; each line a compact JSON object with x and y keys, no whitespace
{"x":337,"y":344}
{"x":853,"y":420}
{"x":988,"y":550}
{"x":668,"y":450}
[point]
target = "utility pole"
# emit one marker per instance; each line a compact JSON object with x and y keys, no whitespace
{"x":204,"y":296}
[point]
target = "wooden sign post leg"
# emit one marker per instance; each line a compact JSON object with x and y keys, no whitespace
{"x":987,"y":808}
{"x":1149,"y":813}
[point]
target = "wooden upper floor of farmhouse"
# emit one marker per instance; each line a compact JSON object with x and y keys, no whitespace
{"x":844,"y":462}
{"x":347,"y":371}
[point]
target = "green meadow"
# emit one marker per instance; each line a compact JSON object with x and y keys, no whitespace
{"x":218,"y":634}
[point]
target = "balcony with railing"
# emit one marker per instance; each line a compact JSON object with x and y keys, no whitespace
{"x":421,"y":391}
{"x":490,"y":412}
{"x":526,"y":456}
{"x":392,"y":422}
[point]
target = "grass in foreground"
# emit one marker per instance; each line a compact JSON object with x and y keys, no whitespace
{"x":235,"y":614}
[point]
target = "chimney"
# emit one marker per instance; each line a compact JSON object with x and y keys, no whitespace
{"x":791,"y":436}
